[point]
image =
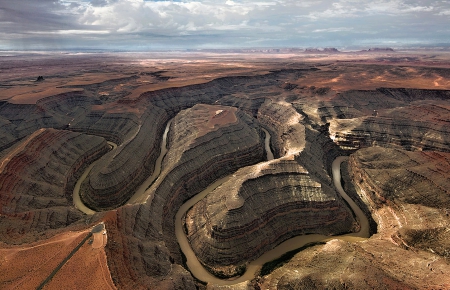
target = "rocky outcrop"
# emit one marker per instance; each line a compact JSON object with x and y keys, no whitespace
{"x":407,"y":193}
{"x":401,"y":176}
{"x":203,"y":155}
{"x":205,"y":143}
{"x":114,"y":127}
{"x":114,"y":178}
{"x":374,"y":264}
{"x":398,"y":118}
{"x":284,"y":125}
{"x":137,"y":255}
{"x":36,"y":179}
{"x":257,"y":209}
{"x":210,"y":141}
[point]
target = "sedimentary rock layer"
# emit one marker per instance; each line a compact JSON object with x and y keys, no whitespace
{"x":375,"y":264}
{"x":398,"y":118}
{"x":402,"y":176}
{"x":113,"y":179}
{"x":205,"y":143}
{"x":258,"y":208}
{"x":408,"y":194}
{"x":37,"y":176}
{"x":198,"y":158}
{"x":284,"y":124}
{"x":137,"y":255}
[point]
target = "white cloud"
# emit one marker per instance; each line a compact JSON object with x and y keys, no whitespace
{"x":333,"y":29}
{"x":242,"y":21}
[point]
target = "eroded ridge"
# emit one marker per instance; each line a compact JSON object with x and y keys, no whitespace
{"x":398,"y":118}
{"x":205,"y":143}
{"x":408,"y":198}
{"x":407,"y":192}
{"x":313,"y":114}
{"x":37,"y":178}
{"x":258,"y":208}
{"x":112,"y":180}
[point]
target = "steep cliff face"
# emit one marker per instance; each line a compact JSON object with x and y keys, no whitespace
{"x":36,"y":179}
{"x":407,"y":192}
{"x":115,"y":177}
{"x":205,"y":143}
{"x":261,"y":204}
{"x":285,"y":125}
{"x":114,"y":126}
{"x":196,"y":160}
{"x":258,"y":208}
{"x":397,"y":118}
{"x":402,"y":176}
{"x":137,"y":255}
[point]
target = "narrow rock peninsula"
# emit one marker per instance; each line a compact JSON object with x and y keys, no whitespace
{"x":257,"y":209}
{"x":36,"y":179}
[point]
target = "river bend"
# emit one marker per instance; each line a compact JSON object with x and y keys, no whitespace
{"x":253,"y":267}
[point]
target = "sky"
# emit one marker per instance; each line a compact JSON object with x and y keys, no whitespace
{"x":185,"y":24}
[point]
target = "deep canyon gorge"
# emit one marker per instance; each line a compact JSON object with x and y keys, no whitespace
{"x":294,"y":171}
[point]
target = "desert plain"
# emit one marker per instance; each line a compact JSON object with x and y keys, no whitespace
{"x":216,"y":169}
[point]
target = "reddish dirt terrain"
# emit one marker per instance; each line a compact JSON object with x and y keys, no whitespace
{"x":25,"y":267}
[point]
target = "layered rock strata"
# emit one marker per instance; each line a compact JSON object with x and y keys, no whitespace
{"x":205,"y":143}
{"x":284,"y":124}
{"x":407,"y":193}
{"x":398,"y":118}
{"x":137,"y":255}
{"x":142,"y":252}
{"x":113,"y":179}
{"x":36,"y":179}
{"x":113,"y":126}
{"x":258,"y":208}
{"x":400,"y":176}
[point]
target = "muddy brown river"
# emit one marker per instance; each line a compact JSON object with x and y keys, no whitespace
{"x":253,"y":267}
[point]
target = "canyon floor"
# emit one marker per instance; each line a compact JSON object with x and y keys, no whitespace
{"x":111,"y":161}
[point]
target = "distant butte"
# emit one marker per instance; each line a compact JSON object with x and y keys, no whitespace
{"x":324,"y":50}
{"x":380,"y":49}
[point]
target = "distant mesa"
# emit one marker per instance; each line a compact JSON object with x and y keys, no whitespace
{"x":325,"y":50}
{"x":40,"y":79}
{"x":379,"y":49}
{"x":330,"y":49}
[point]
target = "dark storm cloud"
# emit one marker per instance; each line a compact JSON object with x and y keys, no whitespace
{"x":146,"y":24}
{"x":43,"y":15}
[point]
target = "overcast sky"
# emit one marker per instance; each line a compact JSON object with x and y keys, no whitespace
{"x":143,"y":25}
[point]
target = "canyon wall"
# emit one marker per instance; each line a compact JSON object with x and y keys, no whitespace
{"x":112,"y":180}
{"x":258,"y":208}
{"x":37,"y":176}
{"x":205,"y":143}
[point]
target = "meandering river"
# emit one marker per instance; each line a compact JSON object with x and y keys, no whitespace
{"x":291,"y":244}
{"x":192,"y":262}
{"x":139,"y":196}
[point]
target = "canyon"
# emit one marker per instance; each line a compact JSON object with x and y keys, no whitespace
{"x":232,"y":157}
